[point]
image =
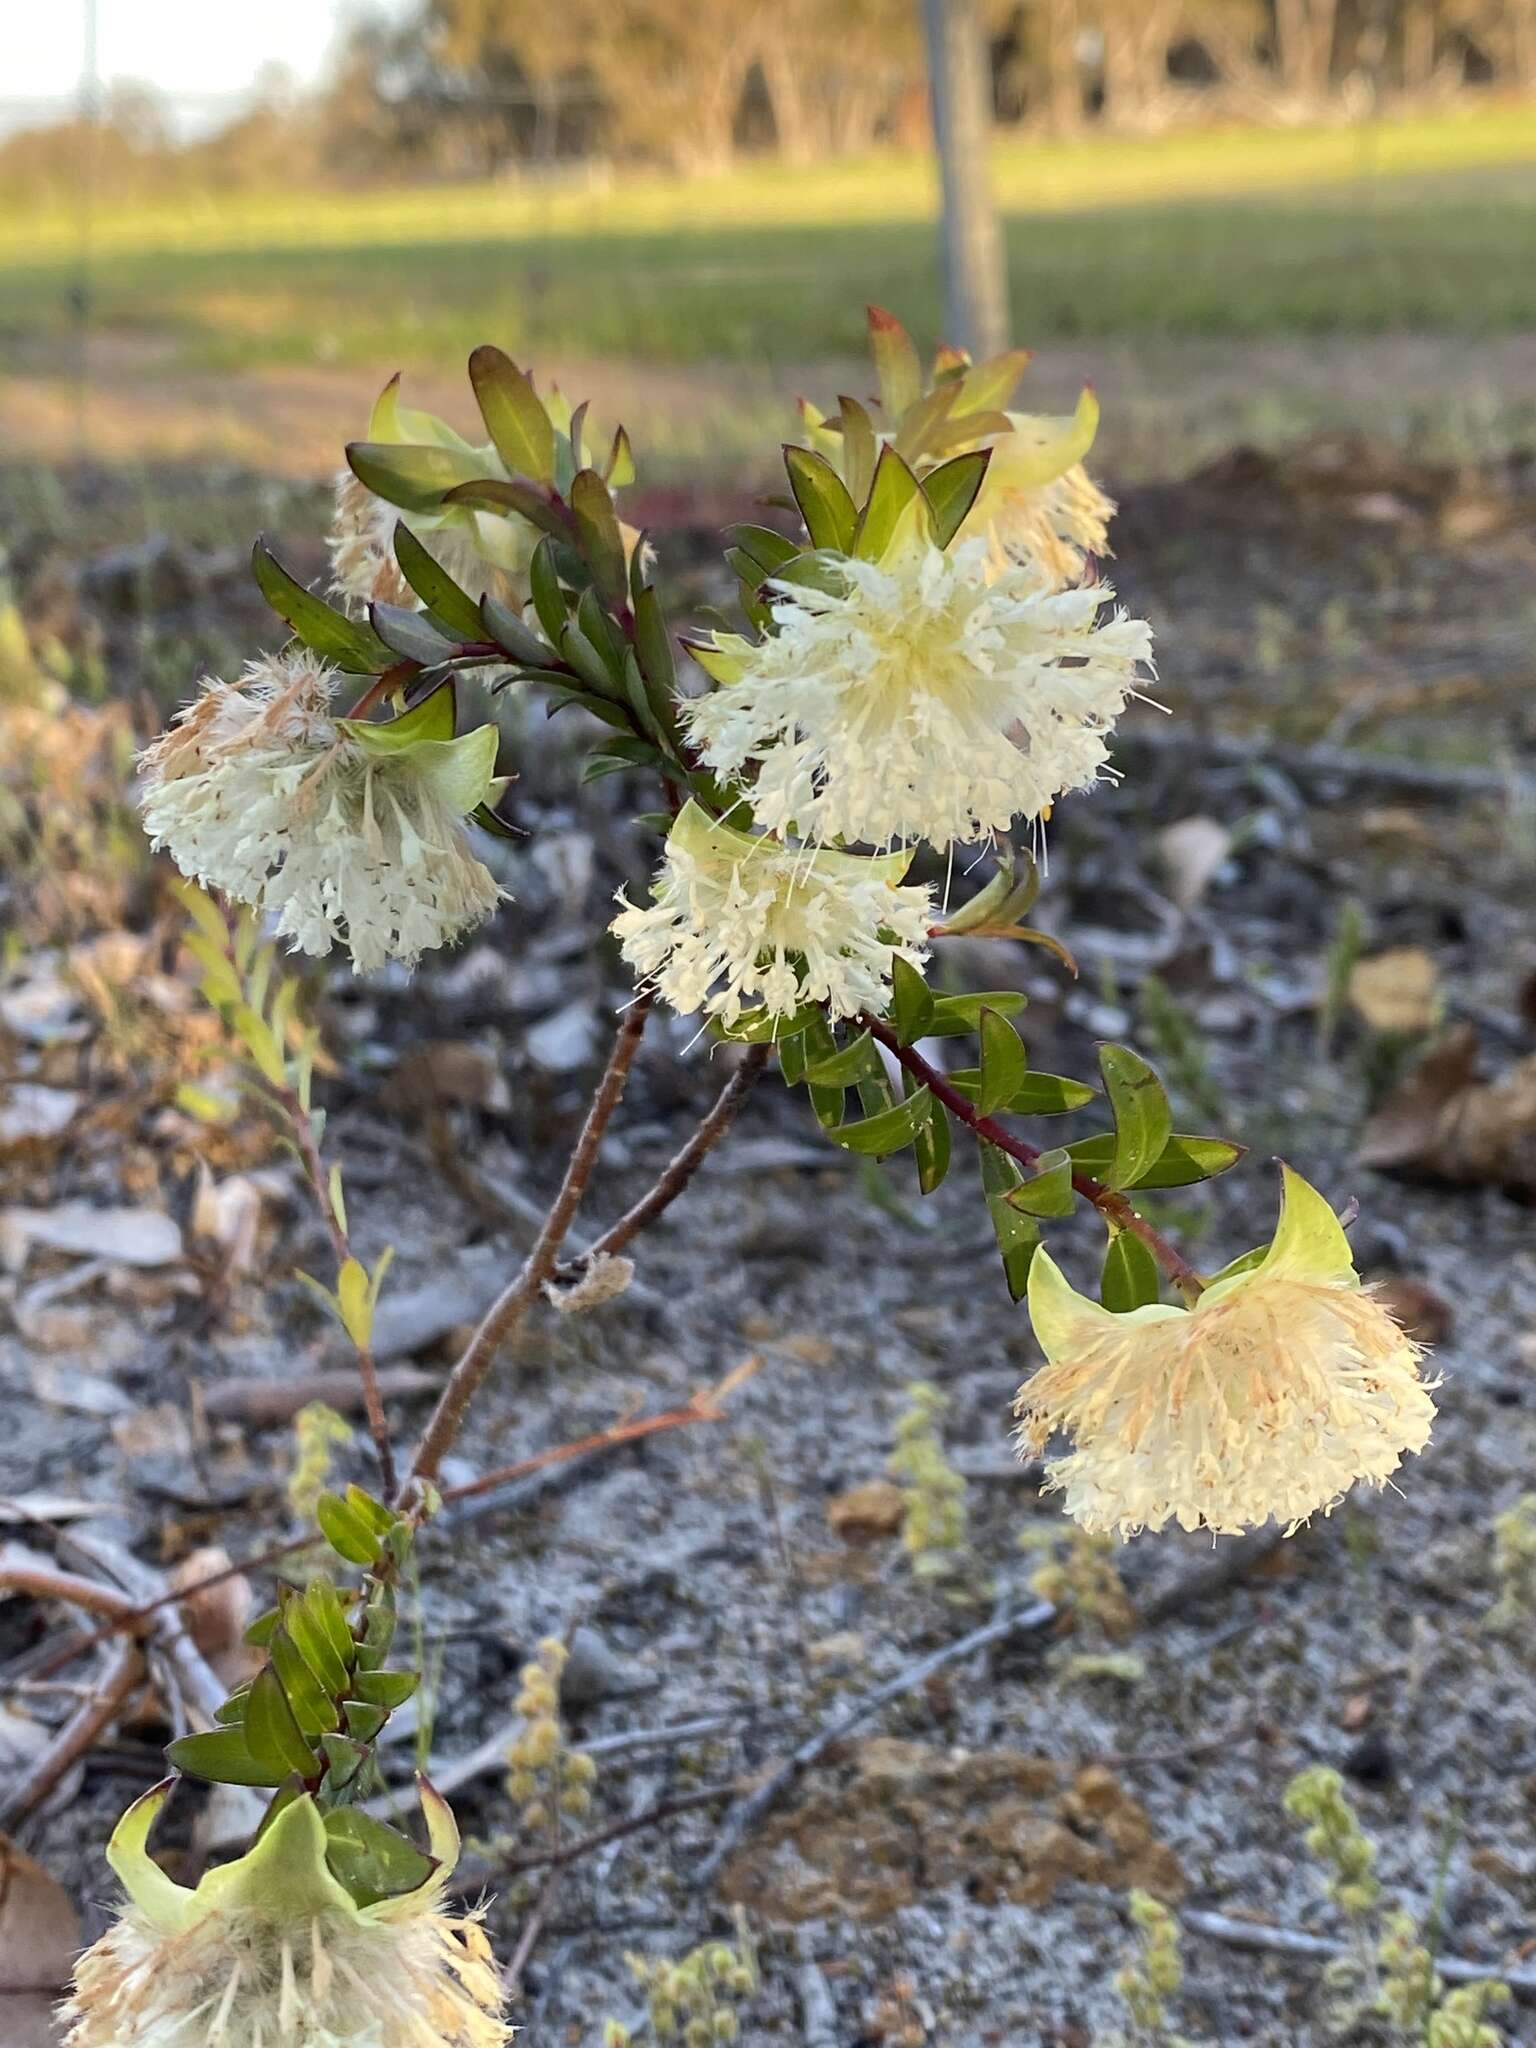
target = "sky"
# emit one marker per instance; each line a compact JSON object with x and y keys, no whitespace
{"x":191,"y":51}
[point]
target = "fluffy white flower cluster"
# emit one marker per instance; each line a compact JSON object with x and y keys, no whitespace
{"x":348,"y":834}
{"x":271,"y":1951}
{"x":937,"y":694}
{"x":1284,"y":1385}
{"x":736,"y":918}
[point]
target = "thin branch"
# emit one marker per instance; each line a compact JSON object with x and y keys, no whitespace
{"x":1290,"y":1941}
{"x":533,"y":1927}
{"x":508,"y":1310}
{"x":23,"y":1572}
{"x":680,"y":1169}
{"x":122,"y":1677}
{"x":705,"y":1406}
{"x":748,"y":1812}
{"x":583,"y":1845}
{"x":1109,"y":1202}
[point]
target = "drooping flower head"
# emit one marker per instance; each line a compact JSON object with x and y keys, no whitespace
{"x":273,"y":1951}
{"x":1037,"y":503}
{"x":348,"y":833}
{"x":480,"y":549}
{"x":736,"y":918}
{"x":1286,"y":1384}
{"x":935,"y":694}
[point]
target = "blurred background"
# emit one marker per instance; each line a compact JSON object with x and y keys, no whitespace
{"x":1241,"y":218}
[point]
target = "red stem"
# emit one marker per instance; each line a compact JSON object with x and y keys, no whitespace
{"x":1110,"y":1203}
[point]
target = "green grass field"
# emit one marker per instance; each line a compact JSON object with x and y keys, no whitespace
{"x":1427,"y":224}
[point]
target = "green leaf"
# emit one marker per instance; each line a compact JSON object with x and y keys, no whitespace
{"x":817,"y":1043}
{"x":1004,"y":1064}
{"x":1183,"y":1160}
{"x":313,"y":1707}
{"x":993,"y":382}
{"x":344,"y":1758}
{"x":1143,"y":1115}
{"x":924,"y":420}
{"x":1017,"y":1234}
{"x":514,"y":417}
{"x":232,"y":1711}
{"x":597,"y":530}
{"x":765,"y":1027}
{"x":951,"y":491}
{"x":1037,"y":1094}
{"x":859,"y":445}
{"x":1131,"y":1279}
{"x":579,"y":653}
{"x":549,"y":600}
{"x":897,"y":368}
{"x":517,"y":499}
{"x":318,"y":1626}
{"x":931,"y":1143}
{"x":351,"y":645}
{"x":346,"y":1531}
{"x":387,"y":1689}
{"x":373,"y":1512}
{"x":826,"y":505}
{"x":259,"y":1632}
{"x":912,"y":1002}
{"x":435,"y":587}
{"x":378,"y":1628}
{"x":1245,"y":1263}
{"x":272,"y":1731}
{"x":1048,"y":1191}
{"x":653,"y":643}
{"x":888,"y":1131}
{"x":619,"y":469}
{"x":892,"y":495}
{"x":499,"y":622}
{"x":416,"y":477}
{"x":372,"y":1861}
{"x":857,"y":1061}
{"x":955,"y":1016}
{"x":223,"y":1757}
{"x":769,"y":550}
{"x":363,"y":1718}
{"x":407,"y":633}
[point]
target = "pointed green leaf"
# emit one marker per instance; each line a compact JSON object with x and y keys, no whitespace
{"x":887,"y":1131}
{"x":1143,"y":1115}
{"x":1004,"y":1064}
{"x":1048,"y":1191}
{"x":818,"y":1044}
{"x":313,"y":1708}
{"x":417,"y":478}
{"x":888,"y":508}
{"x":387,"y":1689}
{"x":897,"y":367}
{"x":765,"y":1027}
{"x":826,"y":506}
{"x":859,"y":446}
{"x":549,"y":600}
{"x":1131,"y":1279}
{"x":318,"y":1626}
{"x":407,"y":633}
{"x":857,"y":1061}
{"x":597,"y":531}
{"x":517,"y":500}
{"x":344,"y":1758}
{"x":346,"y":1532}
{"x":514,"y":417}
{"x":372,"y":1861}
{"x":955,"y":1016}
{"x":1017,"y":1234}
{"x":912,"y":1002}
{"x":1183,"y":1160}
{"x":1036,"y":1095}
{"x":931,"y":1142}
{"x":222,"y":1756}
{"x":435,"y":587}
{"x":363,"y":1719}
{"x":499,"y":622}
{"x":271,"y":1730}
{"x":951,"y":491}
{"x":351,"y":645}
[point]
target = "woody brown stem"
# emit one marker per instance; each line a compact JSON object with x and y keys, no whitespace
{"x":1110,"y":1203}
{"x":684,"y":1164}
{"x":509,"y":1308}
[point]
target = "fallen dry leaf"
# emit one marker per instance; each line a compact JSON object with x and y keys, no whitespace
{"x":39,"y":1939}
{"x":130,"y":1237}
{"x":869,"y":1513}
{"x":1396,"y":991}
{"x":1192,"y":851}
{"x":1443,"y":1122}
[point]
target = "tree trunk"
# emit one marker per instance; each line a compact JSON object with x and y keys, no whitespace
{"x":1063,"y":87}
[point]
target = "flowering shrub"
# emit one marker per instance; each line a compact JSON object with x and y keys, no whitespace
{"x":931,"y":661}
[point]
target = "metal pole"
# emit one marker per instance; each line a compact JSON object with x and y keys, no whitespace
{"x":975,"y":268}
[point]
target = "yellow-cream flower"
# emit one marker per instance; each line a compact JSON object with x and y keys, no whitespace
{"x":479,"y":549}
{"x":937,"y":694}
{"x":347,"y":833}
{"x":273,"y":1952}
{"x":735,"y":918}
{"x":1282,"y":1387}
{"x":1037,"y":502}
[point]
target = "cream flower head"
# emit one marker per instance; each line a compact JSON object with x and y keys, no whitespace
{"x":735,"y":917}
{"x":273,"y":1951}
{"x":1282,"y":1387}
{"x":477,"y":548}
{"x":937,"y":694}
{"x":1037,"y":502}
{"x":348,"y":833}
